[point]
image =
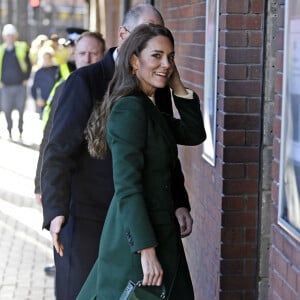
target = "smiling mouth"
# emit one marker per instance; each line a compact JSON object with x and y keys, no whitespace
{"x":161,"y":74}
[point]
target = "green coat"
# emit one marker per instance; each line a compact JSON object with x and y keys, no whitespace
{"x":143,"y":143}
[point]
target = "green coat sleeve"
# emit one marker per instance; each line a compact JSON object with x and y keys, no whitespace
{"x":126,"y":136}
{"x":189,"y":129}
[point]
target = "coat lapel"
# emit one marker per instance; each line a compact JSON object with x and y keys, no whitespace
{"x":159,"y":119}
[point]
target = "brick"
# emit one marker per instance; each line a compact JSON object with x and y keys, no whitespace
{"x":242,"y":88}
{"x":233,"y":138}
{"x":236,"y":282}
{"x":254,"y":22}
{"x":232,"y":72}
{"x":276,"y":149}
{"x":280,"y":16}
{"x":241,"y":121}
{"x":255,"y":38}
{"x":251,"y":235}
{"x":252,"y":170}
{"x":240,"y":187}
{"x":280,"y":40}
{"x":292,"y":278}
{"x":233,"y":203}
{"x":277,"y":127}
{"x":255,"y":72}
{"x":251,"y":203}
{"x":250,"y":266}
{"x":279,"y":61}
{"x":243,"y":56}
{"x":236,"y":105}
{"x":231,"y":171}
{"x":253,"y":138}
{"x":237,"y":38}
{"x":254,"y":105}
{"x":233,"y":6}
{"x":239,"y":219}
{"x":232,"y":235}
{"x":241,"y":22}
{"x":277,"y":105}
{"x":237,"y":251}
{"x":240,"y":154}
{"x":231,"y":267}
{"x":257,"y":6}
{"x":231,"y":295}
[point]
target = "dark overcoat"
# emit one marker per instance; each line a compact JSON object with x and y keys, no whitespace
{"x":143,"y":144}
{"x":78,"y":186}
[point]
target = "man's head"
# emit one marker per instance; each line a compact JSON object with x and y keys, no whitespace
{"x":137,"y":15}
{"x":9,"y":34}
{"x":89,"y":48}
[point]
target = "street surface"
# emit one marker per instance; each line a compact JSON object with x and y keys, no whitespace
{"x":25,"y":249}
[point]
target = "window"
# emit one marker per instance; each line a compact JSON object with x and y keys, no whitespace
{"x":210,"y":79}
{"x":289,"y":189}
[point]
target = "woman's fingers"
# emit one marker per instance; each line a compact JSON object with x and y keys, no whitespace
{"x":152,"y":270}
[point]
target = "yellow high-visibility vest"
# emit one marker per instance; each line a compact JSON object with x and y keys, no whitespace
{"x":65,"y":73}
{"x":21,"y":49}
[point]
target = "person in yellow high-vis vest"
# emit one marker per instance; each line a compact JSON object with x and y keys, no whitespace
{"x":15,"y":68}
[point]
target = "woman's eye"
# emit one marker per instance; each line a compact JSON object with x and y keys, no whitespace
{"x":171,"y":58}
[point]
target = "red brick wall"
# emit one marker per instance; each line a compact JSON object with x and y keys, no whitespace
{"x":284,"y":251}
{"x":222,"y":248}
{"x":239,"y":129}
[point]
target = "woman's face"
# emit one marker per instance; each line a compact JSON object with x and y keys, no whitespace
{"x":154,"y":66}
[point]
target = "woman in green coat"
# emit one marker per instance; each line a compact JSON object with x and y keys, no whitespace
{"x":141,"y":237}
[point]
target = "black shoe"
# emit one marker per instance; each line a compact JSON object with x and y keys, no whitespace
{"x":50,"y":270}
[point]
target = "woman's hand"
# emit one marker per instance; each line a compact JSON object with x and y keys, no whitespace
{"x":152,"y":270}
{"x":185,"y":221}
{"x":176,"y":84}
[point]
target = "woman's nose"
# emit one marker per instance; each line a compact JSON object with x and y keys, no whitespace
{"x":165,"y":62}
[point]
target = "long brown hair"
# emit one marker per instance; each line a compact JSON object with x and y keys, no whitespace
{"x":123,"y":83}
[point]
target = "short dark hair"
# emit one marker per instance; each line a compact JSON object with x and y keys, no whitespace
{"x":93,"y":34}
{"x":132,"y":17}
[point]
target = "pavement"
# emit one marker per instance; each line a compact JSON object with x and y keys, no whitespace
{"x":25,"y":249}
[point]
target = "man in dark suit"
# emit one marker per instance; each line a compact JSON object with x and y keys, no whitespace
{"x":77,"y":189}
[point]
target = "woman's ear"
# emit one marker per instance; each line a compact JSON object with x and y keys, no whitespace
{"x":123,"y":34}
{"x":134,"y":62}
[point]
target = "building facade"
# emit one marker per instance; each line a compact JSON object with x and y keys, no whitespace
{"x":241,"y":58}
{"x":33,"y":17}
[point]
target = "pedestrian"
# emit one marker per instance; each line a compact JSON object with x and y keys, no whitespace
{"x":88,"y":49}
{"x":37,"y":43}
{"x":76,"y":188}
{"x":44,"y":78}
{"x":140,"y":238}
{"x":15,"y":68}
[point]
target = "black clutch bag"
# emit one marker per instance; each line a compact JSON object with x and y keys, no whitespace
{"x":136,"y":291}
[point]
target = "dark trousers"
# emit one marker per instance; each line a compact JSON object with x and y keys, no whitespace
{"x":80,"y":238}
{"x":13,"y":97}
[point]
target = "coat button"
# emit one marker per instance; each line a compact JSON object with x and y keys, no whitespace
{"x":129,"y":238}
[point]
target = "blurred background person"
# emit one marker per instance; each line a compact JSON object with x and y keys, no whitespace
{"x":65,"y":68}
{"x":15,"y":69}
{"x":61,"y":53}
{"x":44,"y":78}
{"x":35,"y":47}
